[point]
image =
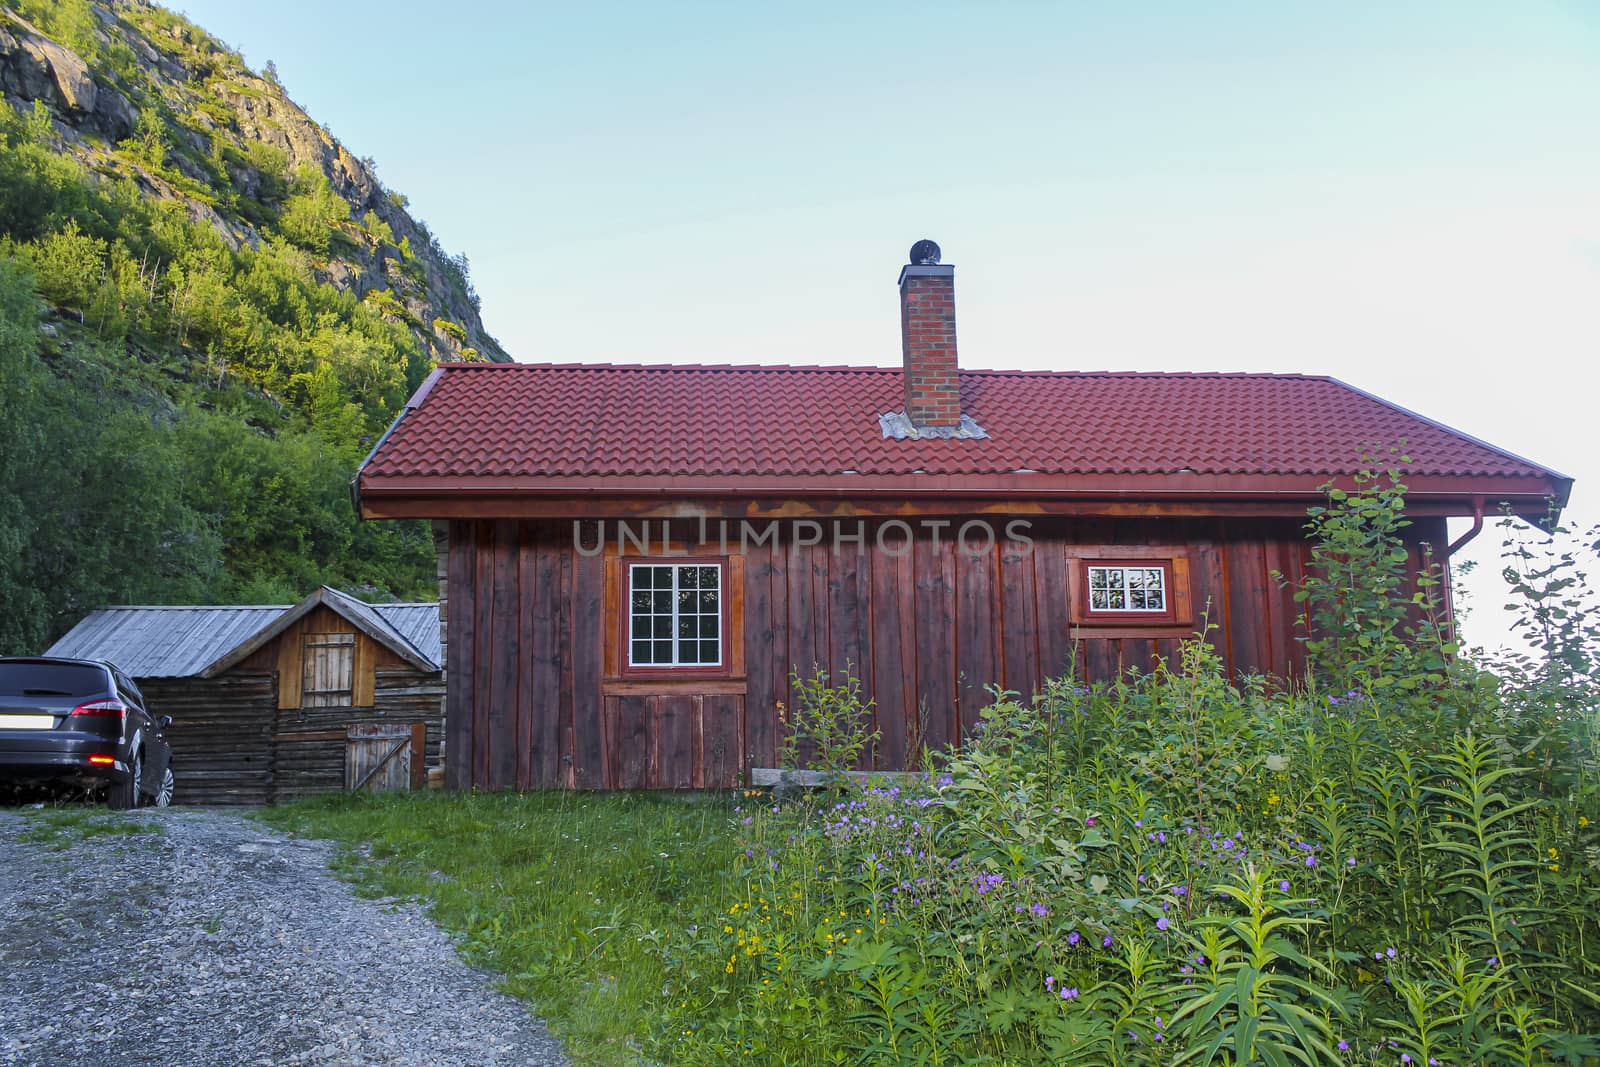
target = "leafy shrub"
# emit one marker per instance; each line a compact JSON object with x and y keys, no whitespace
{"x":827,"y":727}
{"x":1181,"y":869}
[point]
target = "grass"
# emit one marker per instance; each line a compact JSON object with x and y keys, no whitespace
{"x":568,"y":896}
{"x":66,"y":825}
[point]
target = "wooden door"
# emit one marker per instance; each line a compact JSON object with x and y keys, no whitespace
{"x":381,"y":757}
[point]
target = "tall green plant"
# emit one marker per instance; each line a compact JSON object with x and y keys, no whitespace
{"x":1485,"y":836}
{"x":828,"y":724}
{"x":1365,"y":631}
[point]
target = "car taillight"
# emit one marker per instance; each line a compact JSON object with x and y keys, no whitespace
{"x":102,"y":761}
{"x":101,"y":707}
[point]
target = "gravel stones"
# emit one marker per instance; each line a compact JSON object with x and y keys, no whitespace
{"x":218,"y":941}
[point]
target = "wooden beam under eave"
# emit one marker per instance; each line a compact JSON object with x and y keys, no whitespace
{"x":517,"y":506}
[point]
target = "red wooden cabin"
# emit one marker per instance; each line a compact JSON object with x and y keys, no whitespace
{"x":635,"y":558}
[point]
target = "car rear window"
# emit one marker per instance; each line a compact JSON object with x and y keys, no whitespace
{"x":51,"y":679}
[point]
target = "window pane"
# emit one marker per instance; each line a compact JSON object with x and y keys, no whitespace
{"x":1136,"y":579}
{"x":1117,"y":599}
{"x":1136,"y":599}
{"x":675,"y":614}
{"x":1099,"y":600}
{"x":1099,"y":578}
{"x":1157,"y":600}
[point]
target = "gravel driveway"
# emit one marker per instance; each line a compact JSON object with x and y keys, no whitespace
{"x":216,"y":941}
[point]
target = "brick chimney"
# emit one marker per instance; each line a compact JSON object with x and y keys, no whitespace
{"x":928,"y":340}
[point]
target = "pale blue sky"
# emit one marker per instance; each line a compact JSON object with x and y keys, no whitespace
{"x":1403,"y":196}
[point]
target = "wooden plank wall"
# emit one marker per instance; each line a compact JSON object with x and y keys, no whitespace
{"x":536,"y":699}
{"x":243,"y":738}
{"x":308,"y":744}
{"x":221,"y":734}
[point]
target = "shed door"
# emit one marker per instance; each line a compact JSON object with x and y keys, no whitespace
{"x":330,"y":663}
{"x":382,"y":757}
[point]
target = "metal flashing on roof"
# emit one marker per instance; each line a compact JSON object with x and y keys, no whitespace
{"x":898,"y":425}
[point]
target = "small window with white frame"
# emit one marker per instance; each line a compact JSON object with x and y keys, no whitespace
{"x":1127,"y":588}
{"x":674,"y":615}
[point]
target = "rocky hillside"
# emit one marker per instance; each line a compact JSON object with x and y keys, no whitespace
{"x":138,"y":93}
{"x":209,"y":311}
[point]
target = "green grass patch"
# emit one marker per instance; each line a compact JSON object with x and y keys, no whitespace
{"x":66,"y":826}
{"x":569,"y":896}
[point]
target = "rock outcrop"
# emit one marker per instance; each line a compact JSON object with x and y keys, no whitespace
{"x":210,"y":109}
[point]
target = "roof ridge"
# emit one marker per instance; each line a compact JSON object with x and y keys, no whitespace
{"x":851,"y":368}
{"x":194,"y":607}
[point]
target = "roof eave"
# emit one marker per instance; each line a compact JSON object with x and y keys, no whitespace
{"x":444,"y":497}
{"x":332,"y":599}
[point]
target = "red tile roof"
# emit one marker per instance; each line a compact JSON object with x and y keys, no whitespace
{"x":541,"y":426}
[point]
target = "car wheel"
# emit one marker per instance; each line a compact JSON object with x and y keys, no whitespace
{"x":163,"y":795}
{"x":125,"y":794}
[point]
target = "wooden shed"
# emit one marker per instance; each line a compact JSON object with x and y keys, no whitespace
{"x":636,"y":558}
{"x":279,"y":702}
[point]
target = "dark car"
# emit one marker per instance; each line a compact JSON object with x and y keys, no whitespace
{"x":84,"y":723}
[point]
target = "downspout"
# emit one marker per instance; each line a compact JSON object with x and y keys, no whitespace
{"x":1477,"y":528}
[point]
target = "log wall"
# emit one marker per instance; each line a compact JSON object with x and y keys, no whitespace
{"x":221,"y":734}
{"x":233,"y":744}
{"x":308,"y":751}
{"x":538,"y":697}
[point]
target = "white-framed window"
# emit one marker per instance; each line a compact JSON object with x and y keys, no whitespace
{"x":674,"y":615}
{"x":1127,"y":588}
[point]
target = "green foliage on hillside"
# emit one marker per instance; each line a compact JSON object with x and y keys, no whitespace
{"x":189,"y":431}
{"x":112,"y":492}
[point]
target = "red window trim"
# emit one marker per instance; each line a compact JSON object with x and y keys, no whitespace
{"x":1091,"y":617}
{"x":624,"y":621}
